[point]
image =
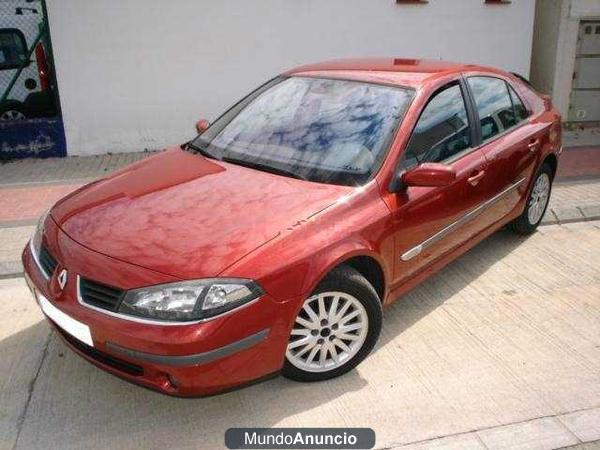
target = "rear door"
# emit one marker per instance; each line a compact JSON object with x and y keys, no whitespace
{"x":430,"y":221}
{"x":510,"y":143}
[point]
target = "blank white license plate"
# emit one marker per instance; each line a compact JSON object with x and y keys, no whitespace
{"x":75,"y":328}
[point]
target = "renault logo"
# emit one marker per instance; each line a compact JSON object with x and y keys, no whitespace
{"x":62,"y":279}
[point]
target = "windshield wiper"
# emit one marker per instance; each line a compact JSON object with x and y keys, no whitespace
{"x":264,"y":167}
{"x":203,"y":151}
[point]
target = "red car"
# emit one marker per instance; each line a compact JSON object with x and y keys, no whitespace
{"x":271,"y":242}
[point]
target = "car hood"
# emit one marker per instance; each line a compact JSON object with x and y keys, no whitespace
{"x":185,"y":215}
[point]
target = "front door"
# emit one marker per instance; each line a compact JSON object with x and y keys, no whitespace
{"x":431,"y":221}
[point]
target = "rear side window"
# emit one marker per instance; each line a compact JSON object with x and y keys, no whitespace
{"x":13,"y":50}
{"x":520,"y":110}
{"x":442,"y":130}
{"x":494,"y":105}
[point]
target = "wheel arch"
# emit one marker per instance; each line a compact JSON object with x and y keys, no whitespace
{"x":369,"y":268}
{"x":552,"y":161}
{"x":365,"y":261}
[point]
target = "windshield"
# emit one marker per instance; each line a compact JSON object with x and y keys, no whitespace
{"x":329,"y":131}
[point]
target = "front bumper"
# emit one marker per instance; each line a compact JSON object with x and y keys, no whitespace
{"x":184,"y":360}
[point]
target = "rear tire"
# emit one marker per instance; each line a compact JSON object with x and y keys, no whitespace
{"x":537,"y":202}
{"x":336,"y":328}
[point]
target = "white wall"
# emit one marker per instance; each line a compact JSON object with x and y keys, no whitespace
{"x":137,"y":74}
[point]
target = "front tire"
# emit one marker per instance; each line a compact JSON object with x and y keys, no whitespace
{"x":537,"y":202}
{"x":12,"y":111}
{"x":336,"y":328}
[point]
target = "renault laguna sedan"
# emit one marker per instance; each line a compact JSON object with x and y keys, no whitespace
{"x":271,"y":242}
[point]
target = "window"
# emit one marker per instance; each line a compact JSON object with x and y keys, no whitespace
{"x":494,"y":105}
{"x":328,"y":131}
{"x":442,"y":130}
{"x":520,"y":110}
{"x":13,"y":50}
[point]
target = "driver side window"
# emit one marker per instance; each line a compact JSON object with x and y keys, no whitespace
{"x":442,"y":131}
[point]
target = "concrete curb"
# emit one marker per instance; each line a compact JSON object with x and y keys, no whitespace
{"x":570,"y":214}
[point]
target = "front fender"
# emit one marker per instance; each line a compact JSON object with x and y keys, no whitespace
{"x":326,"y":261}
{"x":291,"y":265}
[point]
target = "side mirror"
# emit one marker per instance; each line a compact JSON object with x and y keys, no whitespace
{"x":202,"y":125}
{"x":429,"y":175}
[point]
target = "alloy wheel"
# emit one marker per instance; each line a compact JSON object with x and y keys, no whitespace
{"x":12,"y":114}
{"x":329,"y":331}
{"x":539,"y":198}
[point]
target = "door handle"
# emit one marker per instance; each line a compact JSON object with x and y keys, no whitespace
{"x":533,"y":145}
{"x":474,"y":179}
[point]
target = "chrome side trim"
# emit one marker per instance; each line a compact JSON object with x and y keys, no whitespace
{"x":192,"y":360}
{"x":154,"y":322}
{"x":460,"y":222}
{"x":37,"y":261}
{"x":412,"y":252}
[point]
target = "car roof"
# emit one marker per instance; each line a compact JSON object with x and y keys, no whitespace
{"x":398,"y":71}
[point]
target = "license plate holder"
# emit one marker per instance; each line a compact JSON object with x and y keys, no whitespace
{"x":75,"y":328}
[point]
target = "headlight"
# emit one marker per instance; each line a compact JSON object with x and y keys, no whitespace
{"x":189,"y":300}
{"x":36,"y":239}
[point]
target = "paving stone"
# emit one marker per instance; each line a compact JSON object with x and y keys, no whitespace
{"x":545,"y":433}
{"x":583,"y":424}
{"x":567,"y":214}
{"x":70,"y":168}
{"x":585,"y":446}
{"x":460,"y":441}
{"x":10,"y":269}
{"x":591,"y":212}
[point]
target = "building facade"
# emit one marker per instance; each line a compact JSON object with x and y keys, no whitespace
{"x":138,"y":74}
{"x":566,"y":57}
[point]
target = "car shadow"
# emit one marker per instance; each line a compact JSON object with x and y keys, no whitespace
{"x":454,"y":278}
{"x":70,"y":401}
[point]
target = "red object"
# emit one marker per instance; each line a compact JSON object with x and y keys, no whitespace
{"x":178,"y":216}
{"x":202,"y":125}
{"x":42,"y":65}
{"x":430,"y":175}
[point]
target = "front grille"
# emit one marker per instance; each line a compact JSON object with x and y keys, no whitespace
{"x":99,"y":295}
{"x":101,"y":357}
{"x":47,"y":261}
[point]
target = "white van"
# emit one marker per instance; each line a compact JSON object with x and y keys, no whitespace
{"x":31,"y":95}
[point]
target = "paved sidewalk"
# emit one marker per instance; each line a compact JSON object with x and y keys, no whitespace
{"x":72,"y":169}
{"x":500,"y":350}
